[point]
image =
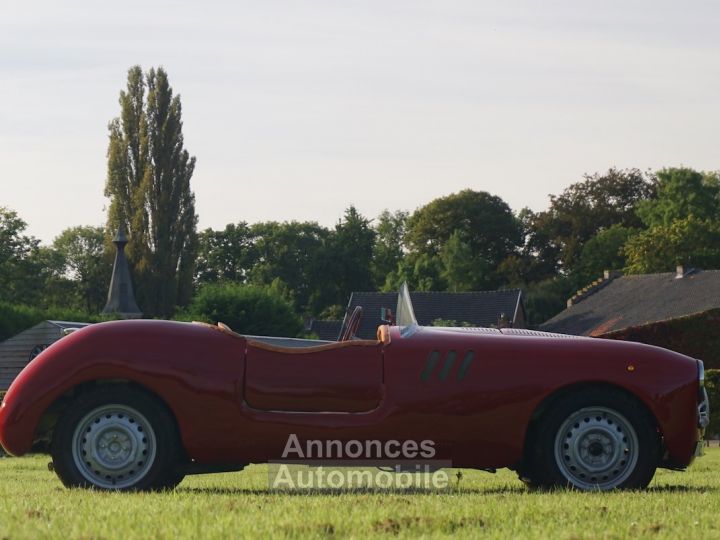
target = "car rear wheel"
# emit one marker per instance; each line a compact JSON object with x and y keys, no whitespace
{"x":596,"y":440}
{"x":116,"y":438}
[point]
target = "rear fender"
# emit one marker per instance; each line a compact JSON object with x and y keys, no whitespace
{"x":182,"y":364}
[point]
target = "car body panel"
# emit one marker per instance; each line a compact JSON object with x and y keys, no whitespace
{"x":314,"y":379}
{"x":473,"y":392}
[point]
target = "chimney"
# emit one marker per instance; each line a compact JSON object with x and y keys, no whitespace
{"x":307,"y":321}
{"x":684,"y":271}
{"x":608,"y":276}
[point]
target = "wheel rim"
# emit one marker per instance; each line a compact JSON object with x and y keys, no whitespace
{"x":596,"y":448}
{"x":114,"y":446}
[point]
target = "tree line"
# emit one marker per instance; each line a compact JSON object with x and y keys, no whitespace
{"x":628,"y":220}
{"x":623,"y":220}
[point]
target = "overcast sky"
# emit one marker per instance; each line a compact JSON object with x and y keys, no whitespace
{"x":295,"y":110}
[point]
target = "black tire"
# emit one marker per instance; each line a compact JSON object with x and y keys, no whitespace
{"x":598,"y":439}
{"x":117,"y":438}
{"x":170,"y":481}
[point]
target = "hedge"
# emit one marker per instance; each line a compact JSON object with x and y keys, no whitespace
{"x":15,"y":318}
{"x":247,"y":309}
{"x":695,"y":335}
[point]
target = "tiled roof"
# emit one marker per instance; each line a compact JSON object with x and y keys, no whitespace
{"x":477,"y":308}
{"x":68,"y":324}
{"x":638,"y":299}
{"x":326,"y":330}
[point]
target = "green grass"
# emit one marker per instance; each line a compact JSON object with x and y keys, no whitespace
{"x":33,"y":504}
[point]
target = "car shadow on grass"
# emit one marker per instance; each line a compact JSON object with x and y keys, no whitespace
{"x":451,"y":490}
{"x":682,"y":489}
{"x":359,"y":491}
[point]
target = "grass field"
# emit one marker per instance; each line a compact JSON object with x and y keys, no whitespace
{"x":33,"y":504}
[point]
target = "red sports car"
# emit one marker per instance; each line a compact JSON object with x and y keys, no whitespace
{"x":140,"y":404}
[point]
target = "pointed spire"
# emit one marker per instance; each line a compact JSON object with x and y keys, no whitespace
{"x":120,"y":237}
{"x":121,"y":300}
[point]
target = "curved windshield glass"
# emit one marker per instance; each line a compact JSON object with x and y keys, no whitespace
{"x":404,"y":314}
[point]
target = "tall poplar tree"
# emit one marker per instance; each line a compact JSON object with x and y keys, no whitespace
{"x":148,"y":184}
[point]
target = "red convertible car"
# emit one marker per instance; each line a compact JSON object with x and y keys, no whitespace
{"x":139,"y":404}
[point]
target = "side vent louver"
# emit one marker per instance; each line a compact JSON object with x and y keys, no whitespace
{"x":447,"y":365}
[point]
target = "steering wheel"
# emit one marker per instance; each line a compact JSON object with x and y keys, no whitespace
{"x":353,"y":323}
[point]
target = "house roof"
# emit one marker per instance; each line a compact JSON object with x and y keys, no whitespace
{"x":477,"y":308}
{"x":68,"y":324}
{"x":634,"y":300}
{"x":18,"y":350}
{"x":326,"y":330}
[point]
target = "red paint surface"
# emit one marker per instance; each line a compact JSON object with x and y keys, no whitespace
{"x":238,"y":403}
{"x":349,"y":379}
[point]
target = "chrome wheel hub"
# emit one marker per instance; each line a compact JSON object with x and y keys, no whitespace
{"x":596,"y":448}
{"x":114,"y":446}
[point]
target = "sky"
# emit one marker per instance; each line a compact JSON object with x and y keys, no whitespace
{"x":297,"y":109}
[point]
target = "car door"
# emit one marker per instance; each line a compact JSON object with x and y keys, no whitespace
{"x":338,"y":377}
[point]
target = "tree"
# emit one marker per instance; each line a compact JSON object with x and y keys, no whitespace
{"x":485,"y":221}
{"x":540,"y":253}
{"x":54,"y":288}
{"x":547,"y":298}
{"x":226,"y":255}
{"x":388,"y":250}
{"x":462,"y":270}
{"x":14,"y":245}
{"x":584,"y":209}
{"x":682,"y":193}
{"x":351,"y":251}
{"x":688,"y":241}
{"x":421,"y":271}
{"x":148,"y":184}
{"x":294,"y":252}
{"x":604,"y":251}
{"x":471,"y":232}
{"x":682,"y":223}
{"x":516,"y":270}
{"x":247,"y":309}
{"x":18,"y":273}
{"x":318,"y":267}
{"x":85,"y":262}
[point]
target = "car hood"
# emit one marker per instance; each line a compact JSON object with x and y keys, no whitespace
{"x":506,"y":332}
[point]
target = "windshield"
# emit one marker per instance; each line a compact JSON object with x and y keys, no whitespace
{"x":404,"y":314}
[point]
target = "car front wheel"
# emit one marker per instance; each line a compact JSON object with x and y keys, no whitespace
{"x":116,"y":438}
{"x":596,"y":440}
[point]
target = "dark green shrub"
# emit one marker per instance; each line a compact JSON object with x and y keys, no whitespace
{"x":247,"y":309}
{"x":15,"y":318}
{"x":695,"y":335}
{"x":450,"y":323}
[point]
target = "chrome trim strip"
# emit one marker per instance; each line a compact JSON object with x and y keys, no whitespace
{"x":704,"y":410}
{"x":699,"y":448}
{"x":517,"y":308}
